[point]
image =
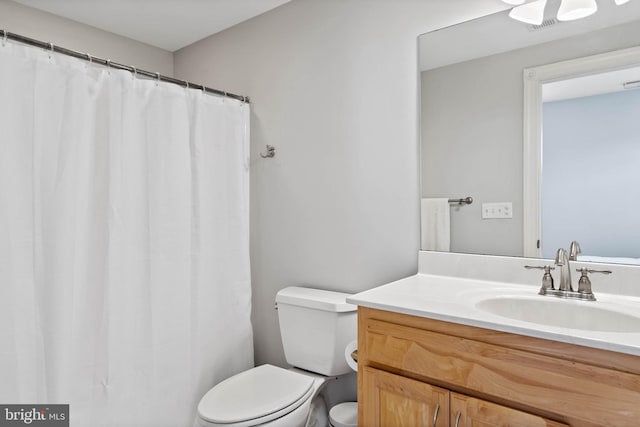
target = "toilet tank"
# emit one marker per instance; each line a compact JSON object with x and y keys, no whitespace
{"x":316,"y":326}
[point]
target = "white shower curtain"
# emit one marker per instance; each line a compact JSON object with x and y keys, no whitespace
{"x":124,"y":241}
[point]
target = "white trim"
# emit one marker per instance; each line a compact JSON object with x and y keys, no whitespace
{"x":534,"y":78}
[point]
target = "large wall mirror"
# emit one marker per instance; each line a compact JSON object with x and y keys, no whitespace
{"x":540,"y":126}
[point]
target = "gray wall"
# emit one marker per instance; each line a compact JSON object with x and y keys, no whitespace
{"x":26,"y":21}
{"x":472,"y":135}
{"x":592,"y":146}
{"x":334,"y":87}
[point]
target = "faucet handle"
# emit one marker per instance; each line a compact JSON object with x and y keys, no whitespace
{"x":584,"y":284}
{"x":539,"y":267}
{"x":547,"y":279}
{"x":588,"y":270}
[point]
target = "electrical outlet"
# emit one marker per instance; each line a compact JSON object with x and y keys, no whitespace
{"x":500,"y":210}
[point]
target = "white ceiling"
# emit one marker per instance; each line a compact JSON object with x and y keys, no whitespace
{"x":167,"y":24}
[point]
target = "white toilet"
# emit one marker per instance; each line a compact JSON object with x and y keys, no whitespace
{"x":315,"y":327}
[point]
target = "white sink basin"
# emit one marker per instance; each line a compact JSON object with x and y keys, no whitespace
{"x":561,"y":313}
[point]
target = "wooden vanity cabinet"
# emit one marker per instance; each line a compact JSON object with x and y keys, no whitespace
{"x":393,"y":400}
{"x":410,"y":368}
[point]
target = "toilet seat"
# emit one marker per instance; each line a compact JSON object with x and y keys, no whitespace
{"x":255,"y":396}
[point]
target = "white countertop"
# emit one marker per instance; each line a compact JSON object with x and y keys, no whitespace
{"x":454,"y":299}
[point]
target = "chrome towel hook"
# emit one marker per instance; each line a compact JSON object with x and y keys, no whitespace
{"x":271,"y":152}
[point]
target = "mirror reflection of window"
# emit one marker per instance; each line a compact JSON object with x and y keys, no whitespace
{"x":591,"y":158}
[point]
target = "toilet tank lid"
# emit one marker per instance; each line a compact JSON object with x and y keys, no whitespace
{"x":315,"y":298}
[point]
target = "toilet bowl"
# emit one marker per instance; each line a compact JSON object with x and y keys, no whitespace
{"x":276,"y":397}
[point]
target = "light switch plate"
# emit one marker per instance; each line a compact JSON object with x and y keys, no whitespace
{"x":499,"y":210}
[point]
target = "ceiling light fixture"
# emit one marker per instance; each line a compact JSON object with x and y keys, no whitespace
{"x":532,"y":12}
{"x":570,"y":10}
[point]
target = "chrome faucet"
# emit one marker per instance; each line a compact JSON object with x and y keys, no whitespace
{"x":565,"y":289}
{"x":562,"y":261}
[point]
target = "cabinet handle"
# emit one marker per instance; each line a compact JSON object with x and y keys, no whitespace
{"x":435,"y":415}
{"x":458,"y":418}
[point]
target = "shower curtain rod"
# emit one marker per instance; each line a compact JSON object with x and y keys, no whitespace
{"x":107,"y":62}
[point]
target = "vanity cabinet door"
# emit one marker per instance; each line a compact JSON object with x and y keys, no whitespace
{"x":390,"y":400}
{"x":470,"y":412}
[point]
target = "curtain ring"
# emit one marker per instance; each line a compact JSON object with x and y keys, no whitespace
{"x":135,"y":72}
{"x":4,"y":38}
{"x":108,"y":64}
{"x":51,"y":49}
{"x":157,"y":78}
{"x":89,"y":58}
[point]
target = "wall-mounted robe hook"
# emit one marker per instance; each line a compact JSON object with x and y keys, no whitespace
{"x":271,"y":152}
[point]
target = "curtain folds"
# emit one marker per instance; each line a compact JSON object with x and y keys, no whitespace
{"x":124,"y":241}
